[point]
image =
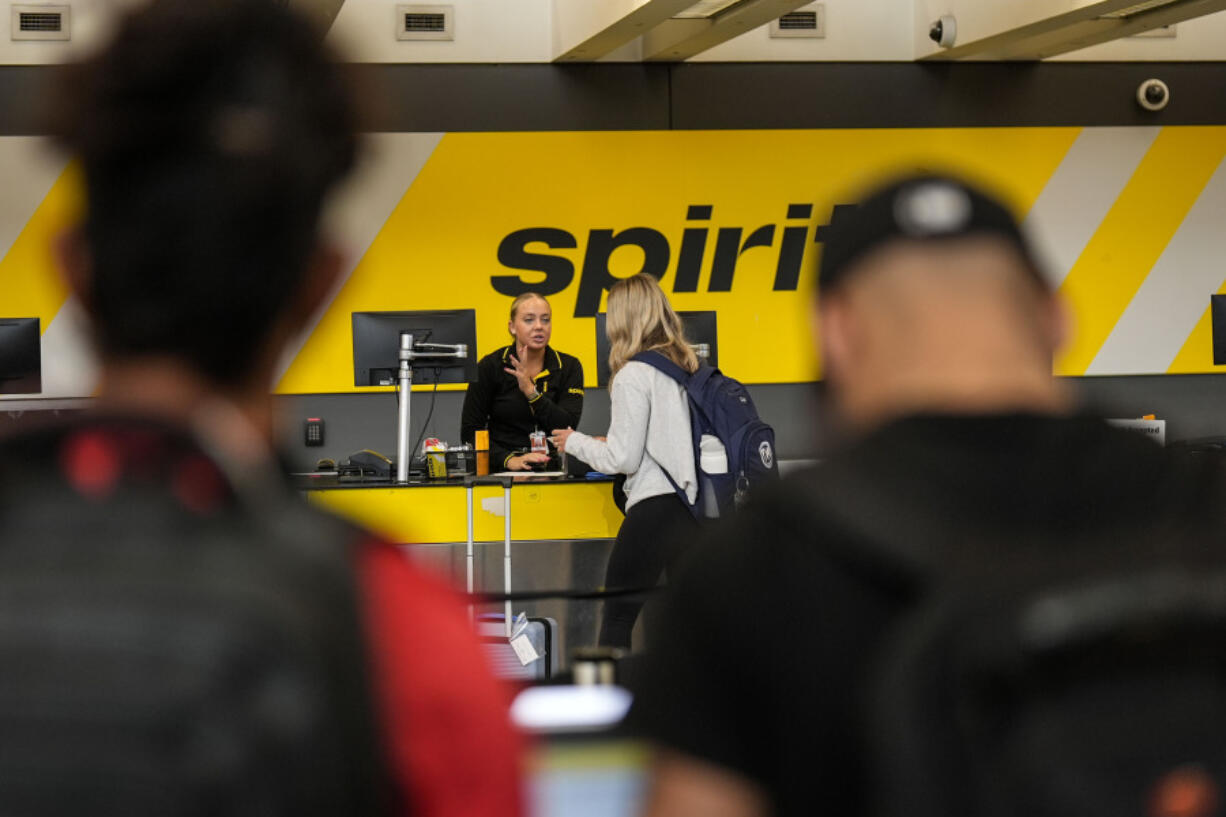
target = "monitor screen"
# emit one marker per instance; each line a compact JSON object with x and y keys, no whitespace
{"x":21,"y":370}
{"x":699,"y":331}
{"x":376,"y":345}
{"x":1218,"y":317}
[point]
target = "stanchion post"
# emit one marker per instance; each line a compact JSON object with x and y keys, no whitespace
{"x":506,"y":554}
{"x":468,"y":556}
{"x":404,"y":391}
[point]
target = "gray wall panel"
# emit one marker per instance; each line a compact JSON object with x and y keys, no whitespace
{"x":515,"y":97}
{"x":1193,"y":406}
{"x":356,"y":421}
{"x":21,"y":99}
{"x":887,"y":95}
{"x":633,"y":96}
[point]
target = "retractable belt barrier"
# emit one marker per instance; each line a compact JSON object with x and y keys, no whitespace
{"x":507,"y":597}
{"x":567,"y":595}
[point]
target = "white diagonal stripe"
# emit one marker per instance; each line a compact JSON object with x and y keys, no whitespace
{"x":70,"y":367}
{"x":391,"y":161}
{"x":1080,"y":193}
{"x":1175,"y":294}
{"x":29,"y":167}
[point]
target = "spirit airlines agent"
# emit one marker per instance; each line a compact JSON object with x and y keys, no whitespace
{"x":522,"y":388}
{"x":649,"y":441}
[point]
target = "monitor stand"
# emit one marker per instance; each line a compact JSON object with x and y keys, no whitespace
{"x":404,"y":391}
{"x":404,"y":396}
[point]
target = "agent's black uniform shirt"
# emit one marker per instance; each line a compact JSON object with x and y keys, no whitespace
{"x":766,"y":638}
{"x":495,"y":402}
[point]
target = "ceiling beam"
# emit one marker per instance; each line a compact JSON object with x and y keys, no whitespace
{"x":1077,"y":29}
{"x":677,"y":40}
{"x":622,"y":30}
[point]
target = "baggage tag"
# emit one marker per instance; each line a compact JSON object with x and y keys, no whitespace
{"x":520,"y":643}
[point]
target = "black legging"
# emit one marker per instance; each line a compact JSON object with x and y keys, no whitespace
{"x":652,"y":538}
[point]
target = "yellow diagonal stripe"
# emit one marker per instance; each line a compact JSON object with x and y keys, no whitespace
{"x":30,"y":283}
{"x":1196,"y":354}
{"x":1133,"y":235}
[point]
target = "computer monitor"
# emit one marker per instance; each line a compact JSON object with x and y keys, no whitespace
{"x":21,"y":369}
{"x":1217,"y":315}
{"x":376,"y":345}
{"x":699,"y":331}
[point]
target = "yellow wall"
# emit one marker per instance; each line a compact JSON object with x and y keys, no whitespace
{"x":432,"y":218}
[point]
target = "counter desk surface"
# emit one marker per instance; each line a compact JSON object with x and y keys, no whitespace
{"x":435,"y":511}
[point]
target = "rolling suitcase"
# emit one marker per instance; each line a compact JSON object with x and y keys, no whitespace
{"x":505,"y":661}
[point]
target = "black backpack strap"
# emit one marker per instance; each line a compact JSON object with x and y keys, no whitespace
{"x":692,"y":507}
{"x":659,"y":361}
{"x":685,"y":379}
{"x":663,"y":364}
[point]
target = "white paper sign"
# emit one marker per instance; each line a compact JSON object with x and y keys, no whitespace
{"x":1154,"y":429}
{"x":524,"y":649}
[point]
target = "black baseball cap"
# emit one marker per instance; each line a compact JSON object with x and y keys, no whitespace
{"x":918,"y":208}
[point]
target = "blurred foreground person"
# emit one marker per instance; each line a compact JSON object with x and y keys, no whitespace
{"x":179,"y":632}
{"x":793,"y":674}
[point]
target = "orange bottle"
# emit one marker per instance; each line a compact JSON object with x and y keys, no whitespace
{"x":481,"y":444}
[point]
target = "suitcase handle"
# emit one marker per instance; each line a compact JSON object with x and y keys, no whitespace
{"x":470,"y":481}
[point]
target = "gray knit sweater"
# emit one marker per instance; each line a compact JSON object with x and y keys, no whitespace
{"x":649,"y":433}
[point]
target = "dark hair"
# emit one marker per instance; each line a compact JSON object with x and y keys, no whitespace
{"x":210,"y":132}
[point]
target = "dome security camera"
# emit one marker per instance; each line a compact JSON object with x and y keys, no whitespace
{"x":944,"y":31}
{"x":1153,"y":95}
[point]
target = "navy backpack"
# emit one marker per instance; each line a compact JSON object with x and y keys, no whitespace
{"x":720,"y":406}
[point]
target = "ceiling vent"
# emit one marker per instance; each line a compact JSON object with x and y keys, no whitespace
{"x":425,"y":22}
{"x":37,"y":22}
{"x":808,"y":22}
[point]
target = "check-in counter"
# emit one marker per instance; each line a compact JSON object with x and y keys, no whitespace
{"x":435,"y":512}
{"x":561,"y":529}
